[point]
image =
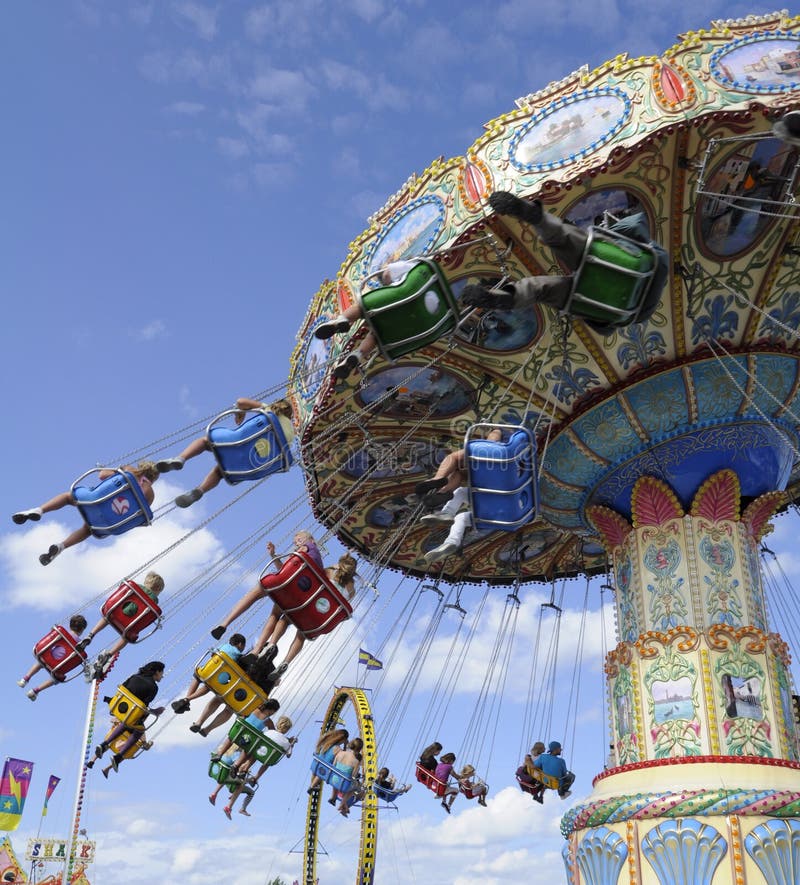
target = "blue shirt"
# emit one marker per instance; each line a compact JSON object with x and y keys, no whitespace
{"x":552,"y":765}
{"x":231,"y":651}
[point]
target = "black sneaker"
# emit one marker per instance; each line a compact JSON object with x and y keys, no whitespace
{"x":180,"y":706}
{"x":475,"y":295}
{"x":52,"y":552}
{"x":217,"y":632}
{"x":331,"y":328}
{"x":269,"y":652}
{"x":345,"y":366}
{"x":505,"y":203}
{"x":169,"y":464}
{"x":430,"y":485}
{"x":189,"y":498}
{"x":24,"y":515}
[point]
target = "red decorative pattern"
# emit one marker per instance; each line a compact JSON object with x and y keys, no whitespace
{"x":653,"y":503}
{"x":612,"y":528}
{"x":718,"y":497}
{"x":698,"y":760}
{"x":757,"y":514}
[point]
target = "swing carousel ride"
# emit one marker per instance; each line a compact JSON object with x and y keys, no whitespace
{"x":663,"y":446}
{"x":660,"y":448}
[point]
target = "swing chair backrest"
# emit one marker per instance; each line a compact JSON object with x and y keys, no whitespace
{"x":327,"y":772}
{"x":112,"y":506}
{"x":612,"y":279}
{"x":126,"y":707}
{"x":478,"y":788}
{"x":59,"y":654}
{"x":229,"y":683}
{"x":255,"y":743}
{"x":411,"y":313}
{"x":429,"y":780}
{"x":144,"y":611}
{"x":305,"y":594}
{"x":221,"y":772}
{"x":503,"y":487}
{"x":548,"y":780}
{"x":256,"y":448}
{"x":386,"y":795}
{"x":133,"y":751}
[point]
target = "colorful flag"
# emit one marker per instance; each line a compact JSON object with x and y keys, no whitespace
{"x":371,"y":662}
{"x":51,"y":785}
{"x":13,"y":790}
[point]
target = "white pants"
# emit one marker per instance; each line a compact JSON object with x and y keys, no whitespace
{"x":461,"y":520}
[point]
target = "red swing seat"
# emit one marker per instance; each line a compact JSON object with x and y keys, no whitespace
{"x":530,"y":789}
{"x":129,"y":626}
{"x":305,"y":594}
{"x":58,"y":653}
{"x":474,"y":791}
{"x":428,"y":779}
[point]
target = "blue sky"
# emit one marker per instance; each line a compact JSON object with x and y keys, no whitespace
{"x":179,"y":179}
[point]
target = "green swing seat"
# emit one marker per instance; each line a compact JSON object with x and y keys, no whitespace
{"x":255,"y":743}
{"x":222,"y":774}
{"x":411,"y":313}
{"x":611,"y":282}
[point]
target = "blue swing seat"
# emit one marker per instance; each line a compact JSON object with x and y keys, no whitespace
{"x":330,"y":775}
{"x":112,"y":506}
{"x":386,"y":795}
{"x":256,"y":448}
{"x":503,"y":488}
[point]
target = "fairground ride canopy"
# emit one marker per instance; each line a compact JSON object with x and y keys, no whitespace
{"x":711,"y":380}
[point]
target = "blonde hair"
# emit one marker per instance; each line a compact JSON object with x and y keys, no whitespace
{"x":467,"y":771}
{"x":282,"y":407}
{"x":153,"y":581}
{"x":147,"y":469}
{"x":304,"y":538}
{"x":284,"y":723}
{"x":538,"y":748}
{"x":345,"y":569}
{"x":331,"y":739}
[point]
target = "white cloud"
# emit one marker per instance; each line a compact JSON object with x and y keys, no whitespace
{"x":290,"y":24}
{"x":188,"y":66}
{"x":199,"y":17}
{"x":187,"y":405}
{"x":153,"y":330}
{"x":269,"y":174}
{"x":376,"y":92}
{"x":86,"y":571}
{"x":232,"y":147}
{"x":369,"y":10}
{"x":280,"y":86}
{"x":348,"y":162}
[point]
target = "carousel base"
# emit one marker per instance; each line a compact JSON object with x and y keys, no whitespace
{"x":730,"y":820}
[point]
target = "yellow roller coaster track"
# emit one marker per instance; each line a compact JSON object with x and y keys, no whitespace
{"x":369,"y":804}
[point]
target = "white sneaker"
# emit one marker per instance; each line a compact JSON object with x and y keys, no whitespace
{"x":441,"y":552}
{"x":31,"y":694}
{"x":436,"y":518}
{"x":34,"y":514}
{"x":22,"y":682}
